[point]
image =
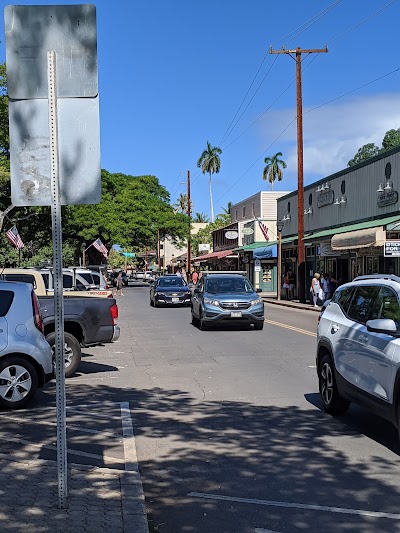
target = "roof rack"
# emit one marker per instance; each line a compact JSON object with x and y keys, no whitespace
{"x":392,"y":277}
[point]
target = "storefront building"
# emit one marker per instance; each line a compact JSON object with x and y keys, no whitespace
{"x":348,"y":216}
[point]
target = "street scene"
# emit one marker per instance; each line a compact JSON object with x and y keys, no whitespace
{"x":199,"y":267}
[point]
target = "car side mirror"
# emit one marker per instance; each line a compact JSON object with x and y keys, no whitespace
{"x":258,"y":290}
{"x":382,"y":325}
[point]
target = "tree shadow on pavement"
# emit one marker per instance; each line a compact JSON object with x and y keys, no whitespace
{"x":234,"y":448}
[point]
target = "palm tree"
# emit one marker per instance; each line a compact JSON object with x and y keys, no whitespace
{"x":182,"y":204}
{"x":210,"y":162}
{"x":272,"y":169}
{"x":227,"y":209}
{"x":200,"y":217}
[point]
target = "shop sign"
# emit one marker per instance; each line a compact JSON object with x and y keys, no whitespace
{"x":387,"y":198}
{"x":325,"y":198}
{"x":257,"y":265}
{"x":325,"y":250}
{"x":204,"y":247}
{"x":391,"y":249}
{"x":231,"y":235}
{"x":247,"y":231}
{"x":245,"y":259}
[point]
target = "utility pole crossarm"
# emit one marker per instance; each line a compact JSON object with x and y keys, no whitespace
{"x":299,"y":51}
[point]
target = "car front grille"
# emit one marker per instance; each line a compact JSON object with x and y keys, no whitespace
{"x":234,"y":305}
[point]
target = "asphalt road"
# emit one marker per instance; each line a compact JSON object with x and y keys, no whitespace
{"x":229,"y":435}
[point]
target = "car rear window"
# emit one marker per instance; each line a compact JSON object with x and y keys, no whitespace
{"x":23,"y":278}
{"x":6,"y":299}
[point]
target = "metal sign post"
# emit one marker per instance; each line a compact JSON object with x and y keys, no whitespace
{"x":58,"y":284}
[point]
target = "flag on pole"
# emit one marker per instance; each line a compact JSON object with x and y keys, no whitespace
{"x":264,"y":229}
{"x":100,"y":247}
{"x":13,"y":236}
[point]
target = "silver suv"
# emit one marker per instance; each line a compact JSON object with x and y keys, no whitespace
{"x":25,"y":355}
{"x":358,"y":354}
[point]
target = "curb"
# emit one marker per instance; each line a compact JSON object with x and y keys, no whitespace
{"x":293,"y":305}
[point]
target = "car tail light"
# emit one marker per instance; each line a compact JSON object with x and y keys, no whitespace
{"x":37,"y":315}
{"x":114,"y":313}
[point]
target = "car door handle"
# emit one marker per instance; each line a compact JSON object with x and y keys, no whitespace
{"x":335,"y":328}
{"x":363,"y":338}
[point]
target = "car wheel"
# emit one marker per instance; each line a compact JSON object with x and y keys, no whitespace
{"x":332,"y":402}
{"x":156,"y":303}
{"x":72,"y":352}
{"x":202,"y":324}
{"x":194,"y":319}
{"x":18,"y":382}
{"x":258,"y":325}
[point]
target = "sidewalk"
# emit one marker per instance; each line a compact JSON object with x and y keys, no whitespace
{"x":100,"y":499}
{"x":294,"y":304}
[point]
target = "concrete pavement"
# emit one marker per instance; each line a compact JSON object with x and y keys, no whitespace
{"x":294,"y":304}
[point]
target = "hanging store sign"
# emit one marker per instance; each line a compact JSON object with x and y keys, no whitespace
{"x":204,"y":247}
{"x":387,"y":198}
{"x":231,"y":235}
{"x":247,"y":231}
{"x":325,"y":198}
{"x":391,"y":249}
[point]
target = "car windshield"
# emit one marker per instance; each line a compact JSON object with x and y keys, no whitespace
{"x":171,"y":282}
{"x":228,"y":285}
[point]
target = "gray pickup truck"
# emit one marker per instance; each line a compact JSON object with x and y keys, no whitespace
{"x":87,"y":320}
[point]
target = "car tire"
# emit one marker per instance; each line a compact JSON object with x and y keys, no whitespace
{"x":17,"y":395}
{"x":195,"y":320}
{"x":332,"y":402}
{"x":156,"y":303}
{"x":203,"y":326}
{"x":151,"y":303}
{"x":72,"y":354}
{"x":258,"y":325}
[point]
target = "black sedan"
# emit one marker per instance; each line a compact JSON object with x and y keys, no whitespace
{"x":170,"y":290}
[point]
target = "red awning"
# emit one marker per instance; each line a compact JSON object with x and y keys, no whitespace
{"x":213,"y":255}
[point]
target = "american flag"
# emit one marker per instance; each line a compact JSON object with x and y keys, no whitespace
{"x":13,"y":236}
{"x":100,"y":247}
{"x":263,"y":229}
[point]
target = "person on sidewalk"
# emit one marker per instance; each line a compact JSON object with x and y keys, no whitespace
{"x":286,"y":285}
{"x":119,"y":284}
{"x":315,"y":288}
{"x":195,"y":277}
{"x":292,"y":284}
{"x":325,"y":285}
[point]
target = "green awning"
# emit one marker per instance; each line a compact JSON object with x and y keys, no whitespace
{"x":352,"y":227}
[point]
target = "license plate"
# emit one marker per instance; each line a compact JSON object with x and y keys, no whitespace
{"x":236,"y":314}
{"x":175,"y":300}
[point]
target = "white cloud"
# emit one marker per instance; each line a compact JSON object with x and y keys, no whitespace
{"x":333,"y":133}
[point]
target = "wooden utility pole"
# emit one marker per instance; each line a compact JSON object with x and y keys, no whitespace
{"x":158,"y":251}
{"x":301,"y":265}
{"x":189,"y":212}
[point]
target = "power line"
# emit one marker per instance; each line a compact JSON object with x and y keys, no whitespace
{"x":308,"y":23}
{"x":362,"y":22}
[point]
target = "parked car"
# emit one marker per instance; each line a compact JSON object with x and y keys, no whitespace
{"x":358,"y":349}
{"x":26,"y":360}
{"x":169,"y":290}
{"x":226,"y":298}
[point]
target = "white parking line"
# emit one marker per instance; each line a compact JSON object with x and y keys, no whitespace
{"x":341,"y":510}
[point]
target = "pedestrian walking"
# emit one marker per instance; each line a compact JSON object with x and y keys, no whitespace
{"x":324,"y":280}
{"x":195,"y":277}
{"x":119,"y":284}
{"x":286,"y":285}
{"x":316,"y":289}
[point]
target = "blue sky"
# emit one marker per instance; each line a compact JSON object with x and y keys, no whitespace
{"x":172,"y":75}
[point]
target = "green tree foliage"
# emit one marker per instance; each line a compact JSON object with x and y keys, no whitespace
{"x":272,"y":170}
{"x":133,"y":209}
{"x":210,"y":163}
{"x":115,"y":259}
{"x":365,"y":152}
{"x":391,"y":139}
{"x":204,"y":235}
{"x":200,"y":217}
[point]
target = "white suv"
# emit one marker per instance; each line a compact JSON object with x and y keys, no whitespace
{"x":25,"y":355}
{"x":358,"y":354}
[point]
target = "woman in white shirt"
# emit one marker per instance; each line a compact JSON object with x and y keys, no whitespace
{"x":315,"y":288}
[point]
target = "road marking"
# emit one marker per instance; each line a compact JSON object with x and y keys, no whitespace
{"x":340,"y":510}
{"x":286,"y":326}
